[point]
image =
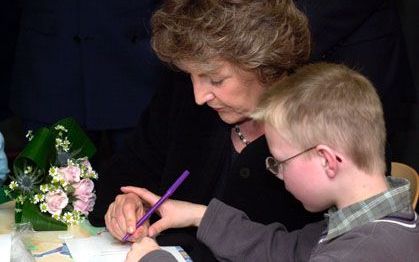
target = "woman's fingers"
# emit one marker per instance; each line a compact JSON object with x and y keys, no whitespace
{"x":130,"y":209}
{"x":118,"y":214}
{"x":122,"y":215}
{"x":111,"y":222}
{"x":143,"y":193}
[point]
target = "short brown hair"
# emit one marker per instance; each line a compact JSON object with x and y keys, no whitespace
{"x":328,"y":104}
{"x":268,"y":37}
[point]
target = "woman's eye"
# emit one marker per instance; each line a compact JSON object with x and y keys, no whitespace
{"x":217,"y":82}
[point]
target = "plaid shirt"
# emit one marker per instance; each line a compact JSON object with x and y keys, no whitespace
{"x":397,"y":198}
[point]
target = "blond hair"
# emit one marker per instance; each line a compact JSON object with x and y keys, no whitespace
{"x":269,"y":37}
{"x":328,"y":104}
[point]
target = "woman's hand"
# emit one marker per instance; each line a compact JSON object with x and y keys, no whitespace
{"x":122,"y":215}
{"x":140,"y":249}
{"x":173,"y":213}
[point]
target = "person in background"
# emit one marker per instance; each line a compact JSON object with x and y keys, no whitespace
{"x":4,"y":168}
{"x":325,"y":129}
{"x":205,"y":126}
{"x":367,"y":36}
{"x":9,"y":25}
{"x":88,"y":60}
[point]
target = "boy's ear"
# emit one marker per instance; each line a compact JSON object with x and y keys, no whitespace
{"x":329,"y":160}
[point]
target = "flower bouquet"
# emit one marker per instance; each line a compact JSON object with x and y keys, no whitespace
{"x":52,"y":180}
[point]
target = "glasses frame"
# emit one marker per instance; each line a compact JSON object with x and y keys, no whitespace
{"x":277,"y":167}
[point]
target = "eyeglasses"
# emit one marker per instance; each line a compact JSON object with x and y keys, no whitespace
{"x":277,"y":167}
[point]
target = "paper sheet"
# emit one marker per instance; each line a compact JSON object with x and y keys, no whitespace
{"x":105,"y":248}
{"x":5,"y":246}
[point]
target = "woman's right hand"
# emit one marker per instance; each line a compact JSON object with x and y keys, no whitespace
{"x":173,"y":213}
{"x":122,"y":215}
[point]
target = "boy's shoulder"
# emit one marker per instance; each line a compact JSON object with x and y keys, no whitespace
{"x":386,"y":239}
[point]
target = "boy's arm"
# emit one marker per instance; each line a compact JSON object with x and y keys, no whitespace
{"x":230,"y":235}
{"x":158,"y":255}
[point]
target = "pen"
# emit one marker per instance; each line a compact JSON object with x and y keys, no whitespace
{"x":166,"y":195}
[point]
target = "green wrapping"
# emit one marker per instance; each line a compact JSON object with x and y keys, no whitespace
{"x":40,"y":221}
{"x":40,"y":152}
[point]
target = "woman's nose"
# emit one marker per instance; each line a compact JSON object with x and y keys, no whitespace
{"x":202,"y":92}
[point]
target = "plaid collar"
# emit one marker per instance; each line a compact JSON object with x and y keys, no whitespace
{"x":397,"y":198}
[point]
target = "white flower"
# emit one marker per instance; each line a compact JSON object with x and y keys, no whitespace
{"x":43,"y":207}
{"x":38,"y":198}
{"x":28,"y":170}
{"x":29,"y":135}
{"x":68,"y":218}
{"x":61,"y":128}
{"x":53,"y":171}
{"x":62,"y":144}
{"x":13,"y":185}
{"x":44,"y":188}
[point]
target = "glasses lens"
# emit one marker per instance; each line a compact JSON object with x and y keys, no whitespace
{"x":272,"y":165}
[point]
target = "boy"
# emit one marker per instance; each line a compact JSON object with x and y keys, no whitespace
{"x":325,"y":129}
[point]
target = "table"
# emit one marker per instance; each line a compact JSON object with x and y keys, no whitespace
{"x":45,"y":246}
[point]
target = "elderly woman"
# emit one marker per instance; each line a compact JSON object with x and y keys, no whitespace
{"x":232,"y":52}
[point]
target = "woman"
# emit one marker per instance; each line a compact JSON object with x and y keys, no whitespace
{"x":232,"y":51}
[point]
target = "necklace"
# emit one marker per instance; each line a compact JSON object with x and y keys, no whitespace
{"x":241,"y":136}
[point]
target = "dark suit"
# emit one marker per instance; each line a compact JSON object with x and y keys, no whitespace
{"x":366,"y":35}
{"x":87,"y":59}
{"x":9,"y":24}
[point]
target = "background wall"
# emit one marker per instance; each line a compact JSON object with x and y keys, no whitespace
{"x":409,"y":15}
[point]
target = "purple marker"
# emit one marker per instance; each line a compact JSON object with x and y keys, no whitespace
{"x":168,"y":193}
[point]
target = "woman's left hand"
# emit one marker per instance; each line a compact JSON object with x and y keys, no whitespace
{"x":141,"y":248}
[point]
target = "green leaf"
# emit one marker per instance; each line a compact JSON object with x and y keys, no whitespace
{"x":3,"y":197}
{"x":40,"y":221}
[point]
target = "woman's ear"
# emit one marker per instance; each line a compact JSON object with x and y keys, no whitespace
{"x":329,"y":160}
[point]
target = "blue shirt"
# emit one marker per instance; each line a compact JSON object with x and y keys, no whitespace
{"x":4,"y":170}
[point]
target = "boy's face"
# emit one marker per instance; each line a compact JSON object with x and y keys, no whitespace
{"x":303,"y":175}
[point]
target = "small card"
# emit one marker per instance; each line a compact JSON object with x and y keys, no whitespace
{"x":106,"y":248}
{"x":5,"y":246}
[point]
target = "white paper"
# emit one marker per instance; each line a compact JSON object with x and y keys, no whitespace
{"x":105,"y":248}
{"x":5,"y":246}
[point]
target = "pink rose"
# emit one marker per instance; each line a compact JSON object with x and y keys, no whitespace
{"x":71,"y":174}
{"x":85,"y":198}
{"x":85,"y":206}
{"x":56,"y":201}
{"x":84,"y":188}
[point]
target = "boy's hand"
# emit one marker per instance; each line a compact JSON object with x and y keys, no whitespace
{"x":140,"y":249}
{"x":173,"y":213}
{"x":122,"y":215}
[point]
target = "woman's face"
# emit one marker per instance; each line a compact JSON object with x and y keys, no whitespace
{"x":230,"y":91}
